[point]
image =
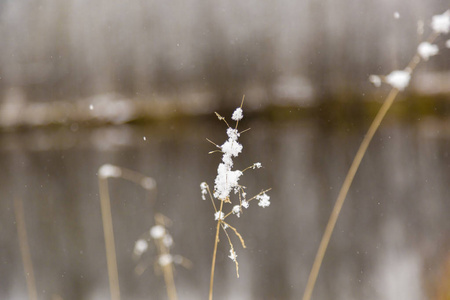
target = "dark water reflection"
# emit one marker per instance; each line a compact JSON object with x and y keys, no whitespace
{"x":389,"y":243}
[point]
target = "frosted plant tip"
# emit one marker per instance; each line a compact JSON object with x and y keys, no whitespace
{"x":168,"y":240}
{"x":165,"y":260}
{"x":219,"y":216}
{"x":426,"y":50}
{"x":441,"y":23}
{"x":376,"y":80}
{"x":157,"y":232}
{"x":140,"y":247}
{"x":237,"y":114}
{"x":398,"y":79}
{"x":108,"y":170}
{"x":263,"y":200}
{"x":256,"y":165}
{"x":219,"y":116}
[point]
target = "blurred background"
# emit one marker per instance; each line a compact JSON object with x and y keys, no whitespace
{"x":135,"y":84}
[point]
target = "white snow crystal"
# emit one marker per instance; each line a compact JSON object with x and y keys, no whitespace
{"x":140,"y":247}
{"x":245,"y":204}
{"x":108,"y":170}
{"x":165,"y":260}
{"x":256,"y":165}
{"x":376,"y":80}
{"x":157,"y":232}
{"x":225,"y":181}
{"x":236,"y":210}
{"x":263,"y":200}
{"x":218,"y":215}
{"x":203,"y":187}
{"x":167,"y":240}
{"x":233,"y":134}
{"x":441,"y":23}
{"x":398,"y":79}
{"x":231,"y":147}
{"x":237,"y":114}
{"x":396,"y":15}
{"x":426,"y":50}
{"x":232,"y":255}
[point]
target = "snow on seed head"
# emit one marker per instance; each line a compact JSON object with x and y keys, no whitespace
{"x":204,"y":189}
{"x":398,"y":79}
{"x":232,"y":255}
{"x":263,"y":200}
{"x":140,"y":247}
{"x":231,"y":147}
{"x":376,"y":80}
{"x":108,"y":170}
{"x":225,"y":181}
{"x":236,"y":210}
{"x":157,"y":232}
{"x":219,"y":216}
{"x":233,"y":134}
{"x":426,"y":50}
{"x":237,"y":114}
{"x":167,"y":240}
{"x":165,"y":260}
{"x":245,"y":204}
{"x":441,"y":23}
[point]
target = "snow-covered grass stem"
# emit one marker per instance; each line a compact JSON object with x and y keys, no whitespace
{"x":361,"y":152}
{"x":225,"y":185}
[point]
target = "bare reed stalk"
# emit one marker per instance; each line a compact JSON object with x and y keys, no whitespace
{"x":105,"y":172}
{"x":213,"y":265}
{"x":350,"y":176}
{"x":25,"y":249}
{"x":111,"y":258}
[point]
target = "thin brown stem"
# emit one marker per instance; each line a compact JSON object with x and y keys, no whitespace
{"x":350,"y":176}
{"x":25,"y":249}
{"x":111,"y":259}
{"x":213,"y":265}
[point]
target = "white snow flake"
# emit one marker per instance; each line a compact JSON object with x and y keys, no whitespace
{"x":203,"y":188}
{"x":140,"y":247}
{"x":236,"y":210}
{"x":263,"y":200}
{"x":108,"y":170}
{"x":441,"y":23}
{"x":376,"y":80}
{"x":398,"y":79}
{"x":232,"y":255}
{"x":447,"y":44}
{"x":165,"y":260}
{"x":245,"y":204}
{"x":237,"y":114}
{"x":219,"y":215}
{"x":426,"y":50}
{"x":157,"y":232}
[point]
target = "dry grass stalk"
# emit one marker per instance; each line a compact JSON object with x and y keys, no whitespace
{"x":357,"y":161}
{"x":25,"y":249}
